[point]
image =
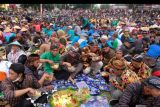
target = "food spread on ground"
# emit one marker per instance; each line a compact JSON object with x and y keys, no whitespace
{"x":68,"y":98}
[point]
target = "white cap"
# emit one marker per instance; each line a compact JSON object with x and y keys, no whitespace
{"x":104,"y":37}
{"x":70,"y":27}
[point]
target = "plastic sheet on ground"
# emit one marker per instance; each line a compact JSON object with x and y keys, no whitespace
{"x":95,"y":84}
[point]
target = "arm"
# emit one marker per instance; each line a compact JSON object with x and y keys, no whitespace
{"x":157,"y":102}
{"x":62,"y":59}
{"x":127,"y":96}
{"x":21,"y":92}
{"x":42,"y":49}
{"x":43,"y":78}
{"x":44,"y":59}
{"x":9,"y":92}
{"x":115,"y":44}
{"x":41,"y":81}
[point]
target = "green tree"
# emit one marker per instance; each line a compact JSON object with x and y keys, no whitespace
{"x":34,"y":6}
{"x":85,"y":6}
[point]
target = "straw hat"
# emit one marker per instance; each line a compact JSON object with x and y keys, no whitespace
{"x":16,"y":27}
{"x":118,"y":27}
{"x":144,"y":28}
{"x":7,"y":29}
{"x":23,"y":29}
{"x":4,"y":22}
{"x":14,"y":21}
{"x":24,"y":20}
{"x":104,"y":25}
{"x":126,"y":30}
{"x":2,"y":53}
{"x":133,"y":24}
{"x":104,"y":37}
{"x":122,"y":23}
{"x":154,"y":26}
{"x":60,"y":32}
{"x":51,"y":24}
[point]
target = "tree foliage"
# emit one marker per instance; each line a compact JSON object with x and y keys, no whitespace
{"x":85,"y":6}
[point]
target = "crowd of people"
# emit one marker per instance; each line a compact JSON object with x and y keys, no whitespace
{"x":120,"y":44}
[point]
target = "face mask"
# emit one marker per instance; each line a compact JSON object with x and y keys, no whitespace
{"x":16,"y":50}
{"x":17,"y":79}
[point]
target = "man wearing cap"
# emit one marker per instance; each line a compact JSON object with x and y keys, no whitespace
{"x":139,"y":67}
{"x":146,"y":94}
{"x":103,"y":40}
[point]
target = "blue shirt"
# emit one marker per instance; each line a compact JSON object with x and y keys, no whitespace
{"x":7,"y":36}
{"x":90,"y":32}
{"x":71,"y":34}
{"x":75,"y":39}
{"x":154,"y":51}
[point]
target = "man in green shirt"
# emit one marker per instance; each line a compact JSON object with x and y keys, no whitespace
{"x":116,"y":42}
{"x":50,"y":58}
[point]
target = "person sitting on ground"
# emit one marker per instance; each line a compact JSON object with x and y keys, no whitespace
{"x":16,"y":52}
{"x":139,"y":67}
{"x":118,"y":56}
{"x":70,"y":62}
{"x":31,"y":68}
{"x":116,"y":44}
{"x":18,"y":85}
{"x":37,"y":42}
{"x":146,"y":93}
{"x":128,"y":47}
{"x":108,"y":54}
{"x":50,"y":58}
{"x":96,"y":56}
{"x":120,"y":76}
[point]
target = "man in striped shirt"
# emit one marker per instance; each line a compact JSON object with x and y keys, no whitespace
{"x":18,"y":85}
{"x":146,"y":93}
